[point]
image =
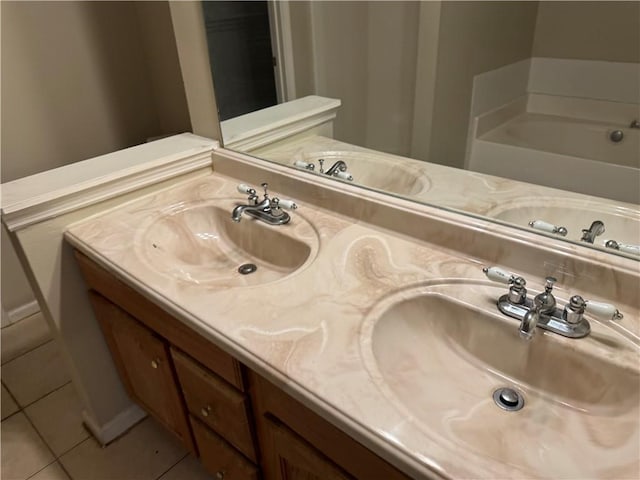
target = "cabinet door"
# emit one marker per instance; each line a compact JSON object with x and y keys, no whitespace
{"x":144,"y":365}
{"x":289,"y":457}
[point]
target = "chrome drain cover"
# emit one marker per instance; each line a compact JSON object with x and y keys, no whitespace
{"x":508,"y":399}
{"x":247,"y":268}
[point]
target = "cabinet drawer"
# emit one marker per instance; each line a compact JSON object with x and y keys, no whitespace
{"x":214,"y":402}
{"x":221,"y":460}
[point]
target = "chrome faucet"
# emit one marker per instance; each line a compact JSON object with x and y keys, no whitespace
{"x":339,"y":166}
{"x":338,"y":169}
{"x":543,"y":312}
{"x":590,"y":234}
{"x":269,"y":210}
{"x":543,"y":304}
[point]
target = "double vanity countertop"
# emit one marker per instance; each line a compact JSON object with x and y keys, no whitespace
{"x":397,"y":342}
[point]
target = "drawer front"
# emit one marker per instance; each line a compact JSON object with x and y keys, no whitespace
{"x":214,"y":402}
{"x":219,"y":459}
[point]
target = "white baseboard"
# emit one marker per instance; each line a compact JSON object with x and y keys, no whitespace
{"x":16,"y":314}
{"x":122,"y":422}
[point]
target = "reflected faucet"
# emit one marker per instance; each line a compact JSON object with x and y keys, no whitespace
{"x":590,"y":234}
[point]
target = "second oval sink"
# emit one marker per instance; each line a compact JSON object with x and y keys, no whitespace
{"x":439,"y":352}
{"x":199,"y":243}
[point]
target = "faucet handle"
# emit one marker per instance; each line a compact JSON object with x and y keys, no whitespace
{"x":548,"y":227}
{"x":244,"y":188}
{"x":284,"y":203}
{"x":577,"y":306}
{"x":304,"y":165}
{"x":501,"y":276}
{"x":343,"y":175}
{"x":603,"y":310}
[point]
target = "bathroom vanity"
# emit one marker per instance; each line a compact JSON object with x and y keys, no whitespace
{"x":218,"y":408}
{"x":367,"y":342}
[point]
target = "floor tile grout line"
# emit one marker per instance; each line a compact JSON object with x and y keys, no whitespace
{"x":88,"y":437}
{"x":45,"y":395}
{"x":14,"y":401}
{"x":171,"y":467}
{"x":16,"y":322}
{"x":55,"y":457}
{"x":28,"y":351}
{"x":46,"y":466}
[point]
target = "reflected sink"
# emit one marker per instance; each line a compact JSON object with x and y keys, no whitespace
{"x":622,"y":223}
{"x":199,"y":243}
{"x":439,"y":352}
{"x":375,"y":171}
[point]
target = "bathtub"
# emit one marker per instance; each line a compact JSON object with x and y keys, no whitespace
{"x":562,"y":152}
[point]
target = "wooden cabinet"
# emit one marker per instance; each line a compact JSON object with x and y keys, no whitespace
{"x":220,"y":459}
{"x":143,"y":361}
{"x":244,"y":427}
{"x":216,"y":404}
{"x":289,"y":457}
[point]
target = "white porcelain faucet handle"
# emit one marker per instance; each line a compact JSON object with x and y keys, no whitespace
{"x":603,"y":310}
{"x":244,"y":188}
{"x":548,"y":227}
{"x":287,"y":204}
{"x":498,"y":275}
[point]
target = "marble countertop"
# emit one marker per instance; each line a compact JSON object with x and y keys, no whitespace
{"x":311,"y":333}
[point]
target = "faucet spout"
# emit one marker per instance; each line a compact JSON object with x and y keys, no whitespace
{"x":590,"y":234}
{"x":237,"y":212}
{"x":529,"y":323}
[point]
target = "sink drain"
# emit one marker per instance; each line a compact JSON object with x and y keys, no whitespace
{"x":247,"y":268}
{"x":508,"y":399}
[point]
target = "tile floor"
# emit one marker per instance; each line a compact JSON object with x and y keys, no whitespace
{"x":42,"y":433}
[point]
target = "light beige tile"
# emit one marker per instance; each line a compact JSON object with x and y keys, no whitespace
{"x":23,"y":451}
{"x":58,"y":418}
{"x":52,"y":472}
{"x":35,"y":374}
{"x":188,"y":468}
{"x":9,"y":406}
{"x":144,"y":453}
{"x":23,"y":336}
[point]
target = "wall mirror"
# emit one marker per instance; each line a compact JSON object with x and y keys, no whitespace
{"x":525,"y":113}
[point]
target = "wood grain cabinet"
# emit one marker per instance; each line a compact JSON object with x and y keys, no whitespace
{"x":242,"y":426}
{"x":142,"y":359}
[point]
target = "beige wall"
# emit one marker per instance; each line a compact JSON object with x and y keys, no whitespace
{"x":80,"y":79}
{"x":474,"y":37}
{"x":302,"y":44}
{"x":607,"y":31}
{"x":365,"y":54}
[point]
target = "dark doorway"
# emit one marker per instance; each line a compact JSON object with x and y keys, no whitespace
{"x":242,"y":62}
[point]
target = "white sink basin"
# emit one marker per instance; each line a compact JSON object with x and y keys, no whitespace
{"x":439,"y":357}
{"x":199,"y":243}
{"x":622,"y":223}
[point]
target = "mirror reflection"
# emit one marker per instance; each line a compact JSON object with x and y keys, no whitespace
{"x":525,"y":113}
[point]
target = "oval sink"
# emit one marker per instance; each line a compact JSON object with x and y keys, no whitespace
{"x":375,"y":171}
{"x":439,"y":352}
{"x":199,"y":243}
{"x":622,"y":223}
